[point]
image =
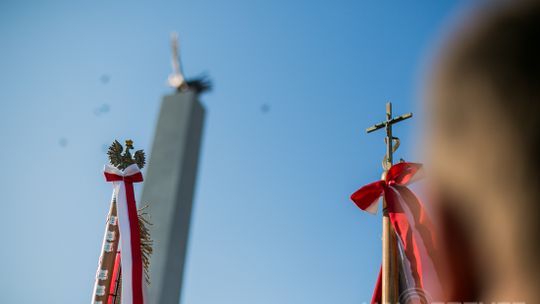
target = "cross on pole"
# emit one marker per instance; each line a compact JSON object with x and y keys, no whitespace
{"x":389,"y":246}
{"x":387,"y":124}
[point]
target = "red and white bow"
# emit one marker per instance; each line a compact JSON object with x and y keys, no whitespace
{"x":410,"y":222}
{"x":128,"y":225}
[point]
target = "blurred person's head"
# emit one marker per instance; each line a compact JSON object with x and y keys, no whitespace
{"x":484,"y":126}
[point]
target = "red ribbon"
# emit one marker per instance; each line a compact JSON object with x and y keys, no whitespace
{"x":400,"y":174}
{"x":411,"y":227}
{"x":136,"y":255}
{"x":135,"y":178}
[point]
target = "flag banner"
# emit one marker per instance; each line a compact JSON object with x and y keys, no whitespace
{"x":413,"y":228}
{"x":128,"y":224}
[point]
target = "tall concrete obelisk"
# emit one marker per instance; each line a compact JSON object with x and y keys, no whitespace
{"x":170,"y":182}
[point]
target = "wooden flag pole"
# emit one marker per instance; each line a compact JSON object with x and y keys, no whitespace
{"x":389,"y":245}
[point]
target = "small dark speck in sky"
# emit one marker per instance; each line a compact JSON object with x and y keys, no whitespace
{"x":63,"y":142}
{"x":265,"y":108}
{"x":104,"y":108}
{"x":105,"y":78}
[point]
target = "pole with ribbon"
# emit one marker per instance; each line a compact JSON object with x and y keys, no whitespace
{"x":389,"y":272}
{"x":126,"y":247}
{"x":410,"y":270}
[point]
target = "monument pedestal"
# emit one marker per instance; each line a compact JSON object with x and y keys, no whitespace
{"x":168,"y":190}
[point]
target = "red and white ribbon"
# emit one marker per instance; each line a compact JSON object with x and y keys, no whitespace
{"x":128,"y":224}
{"x":413,"y":228}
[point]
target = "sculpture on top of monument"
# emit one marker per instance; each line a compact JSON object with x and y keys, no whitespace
{"x":177,"y":79}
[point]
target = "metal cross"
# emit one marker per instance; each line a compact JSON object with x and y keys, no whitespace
{"x":387,"y":124}
{"x":176,"y":79}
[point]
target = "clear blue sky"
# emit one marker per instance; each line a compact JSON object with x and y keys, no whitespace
{"x":296,"y":83}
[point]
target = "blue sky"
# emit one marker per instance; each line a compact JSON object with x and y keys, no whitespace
{"x":296,"y":84}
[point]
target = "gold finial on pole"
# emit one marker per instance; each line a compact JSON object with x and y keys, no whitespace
{"x":125,"y":159}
